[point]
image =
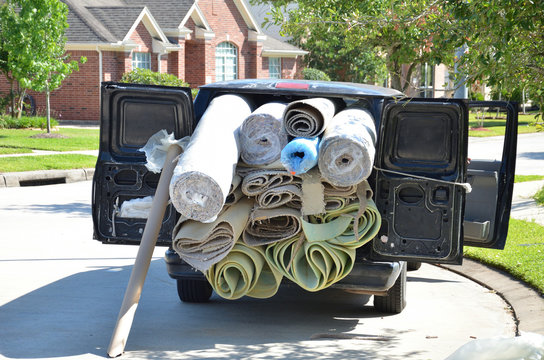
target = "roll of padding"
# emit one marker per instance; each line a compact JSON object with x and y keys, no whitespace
{"x":258,"y":181}
{"x":244,"y":271}
{"x":308,"y":117}
{"x":267,"y":226}
{"x":203,"y":175}
{"x":346,"y":153}
{"x":300,"y":155}
{"x":202,"y":245}
{"x":262,"y":135}
{"x":326,"y":252}
{"x":288,"y":195}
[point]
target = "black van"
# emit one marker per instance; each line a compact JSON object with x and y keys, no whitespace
{"x":420,"y":177}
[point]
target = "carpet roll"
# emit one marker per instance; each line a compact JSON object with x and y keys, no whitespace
{"x":262,"y":135}
{"x":346,"y":153}
{"x":288,"y":195}
{"x":203,"y":244}
{"x":204,"y":173}
{"x":300,"y":155}
{"x":267,"y":226}
{"x":244,"y":271}
{"x":258,"y":181}
{"x":308,"y":117}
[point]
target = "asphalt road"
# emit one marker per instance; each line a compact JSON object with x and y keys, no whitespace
{"x":60,"y":293}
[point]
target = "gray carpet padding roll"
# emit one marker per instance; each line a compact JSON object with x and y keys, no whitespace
{"x":346,"y":154}
{"x":262,"y":135}
{"x":308,"y":117}
{"x":260,"y":180}
{"x":204,"y":173}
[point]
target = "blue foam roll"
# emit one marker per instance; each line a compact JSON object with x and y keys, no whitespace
{"x":300,"y":155}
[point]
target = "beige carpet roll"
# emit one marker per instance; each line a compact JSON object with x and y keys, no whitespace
{"x":346,"y":153}
{"x":267,"y":226}
{"x":244,"y":272}
{"x":309,"y":117}
{"x":262,"y":136}
{"x":288,"y":195}
{"x":204,"y":173}
{"x":203,"y":244}
{"x":258,"y":181}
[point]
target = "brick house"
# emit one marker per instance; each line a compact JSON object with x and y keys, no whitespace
{"x":199,"y":41}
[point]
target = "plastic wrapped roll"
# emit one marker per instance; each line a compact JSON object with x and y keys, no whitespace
{"x":346,"y":153}
{"x":204,"y":173}
{"x":262,"y":135}
{"x":308,"y":117}
{"x":202,"y":245}
{"x":267,"y":226}
{"x":300,"y":155}
{"x":244,"y":272}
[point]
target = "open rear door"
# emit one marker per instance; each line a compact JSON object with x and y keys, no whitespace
{"x":130,"y":115}
{"x":491,"y":174}
{"x":421,"y":167}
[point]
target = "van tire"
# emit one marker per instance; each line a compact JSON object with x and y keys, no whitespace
{"x":395,"y":300}
{"x":194,"y":291}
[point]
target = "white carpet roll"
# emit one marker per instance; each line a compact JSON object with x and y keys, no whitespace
{"x":203,"y":175}
{"x":346,"y":154}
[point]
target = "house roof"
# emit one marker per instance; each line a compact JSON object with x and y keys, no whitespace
{"x":110,"y":22}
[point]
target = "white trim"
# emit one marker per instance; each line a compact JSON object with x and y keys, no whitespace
{"x":248,"y":18}
{"x":255,"y":36}
{"x":162,"y":47}
{"x":283,"y":53}
{"x":187,"y":16}
{"x":201,"y":33}
{"x":151,"y":25}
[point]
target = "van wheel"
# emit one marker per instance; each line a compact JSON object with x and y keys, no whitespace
{"x":413,"y":265}
{"x":395,"y":300}
{"x":194,"y":291}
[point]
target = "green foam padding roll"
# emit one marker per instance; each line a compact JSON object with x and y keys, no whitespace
{"x":244,"y":272}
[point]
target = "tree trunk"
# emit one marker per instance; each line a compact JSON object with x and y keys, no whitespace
{"x":47,"y":107}
{"x":20,"y":103}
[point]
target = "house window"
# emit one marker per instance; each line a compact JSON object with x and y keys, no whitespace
{"x":274,"y":67}
{"x":226,"y":60}
{"x":141,"y":60}
{"x":426,"y":81}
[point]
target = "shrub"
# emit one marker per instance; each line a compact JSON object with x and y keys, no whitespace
{"x":25,"y":122}
{"x":314,"y":74}
{"x":145,"y":76}
{"x":539,"y":196}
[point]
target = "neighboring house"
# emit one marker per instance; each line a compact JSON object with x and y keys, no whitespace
{"x":430,"y":81}
{"x":199,"y":41}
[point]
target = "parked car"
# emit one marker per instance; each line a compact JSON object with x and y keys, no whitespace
{"x":419,"y":181}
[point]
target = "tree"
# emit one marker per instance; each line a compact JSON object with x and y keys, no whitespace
{"x":505,"y":44}
{"x":370,"y":33}
{"x":33,"y":36}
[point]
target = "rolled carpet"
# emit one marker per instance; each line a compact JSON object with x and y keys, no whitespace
{"x":267,"y":226}
{"x":201,"y":245}
{"x":300,"y":155}
{"x":346,"y":153}
{"x":244,"y":271}
{"x":288,"y":195}
{"x":308,"y":117}
{"x":204,"y":173}
{"x":262,"y":135}
{"x":326,"y":252}
{"x":258,"y":181}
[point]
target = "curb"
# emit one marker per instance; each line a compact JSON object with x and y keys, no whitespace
{"x":526,"y":303}
{"x":45,"y":177}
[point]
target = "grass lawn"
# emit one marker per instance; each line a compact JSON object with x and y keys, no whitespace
{"x":524,"y":178}
{"x":496,"y":127}
{"x":72,"y":139}
{"x":47,"y":162}
{"x":12,"y":150}
{"x":523,"y":256}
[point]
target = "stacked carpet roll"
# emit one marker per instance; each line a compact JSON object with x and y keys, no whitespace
{"x":249,"y":219}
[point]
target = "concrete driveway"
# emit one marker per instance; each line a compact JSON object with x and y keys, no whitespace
{"x":61,"y":292}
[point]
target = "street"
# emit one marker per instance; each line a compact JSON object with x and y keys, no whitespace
{"x":61,"y":292}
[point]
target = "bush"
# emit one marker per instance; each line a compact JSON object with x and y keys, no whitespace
{"x":314,"y":74}
{"x":25,"y":122}
{"x":145,"y":76}
{"x":539,"y":196}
